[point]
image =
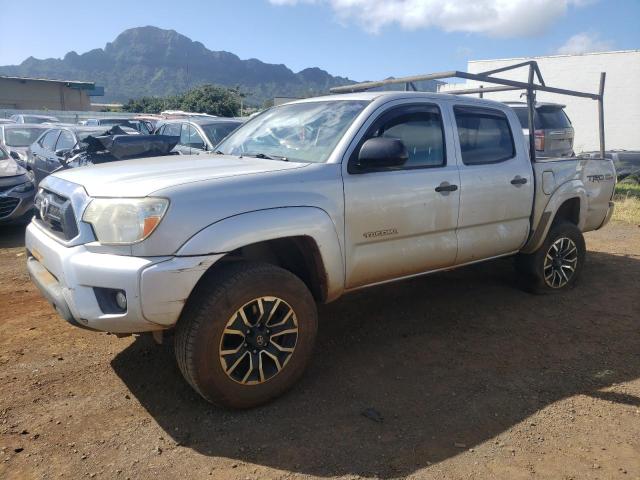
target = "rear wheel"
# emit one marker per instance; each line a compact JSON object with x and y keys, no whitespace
{"x":246,"y":335}
{"x":557,"y":264}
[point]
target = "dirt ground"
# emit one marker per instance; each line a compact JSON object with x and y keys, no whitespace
{"x":462,"y":376}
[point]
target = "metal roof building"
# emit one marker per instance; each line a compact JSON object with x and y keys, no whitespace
{"x":23,"y":93}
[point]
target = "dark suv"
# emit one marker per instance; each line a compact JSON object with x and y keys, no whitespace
{"x":198,"y":135}
{"x":553,"y":133}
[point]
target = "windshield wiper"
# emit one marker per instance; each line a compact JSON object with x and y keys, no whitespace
{"x":265,"y":156}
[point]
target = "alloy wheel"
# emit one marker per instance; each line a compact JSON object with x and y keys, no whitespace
{"x":560,"y":262}
{"x":258,"y":340}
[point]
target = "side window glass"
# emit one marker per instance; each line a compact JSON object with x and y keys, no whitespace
{"x":421,"y":131}
{"x":422,"y":135}
{"x":172,"y":129}
{"x":485,"y":136}
{"x":49,"y":141}
{"x":66,"y":141}
{"x":195,"y":140}
{"x":184,"y":135}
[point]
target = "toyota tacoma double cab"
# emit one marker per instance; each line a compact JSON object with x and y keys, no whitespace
{"x":305,"y":202}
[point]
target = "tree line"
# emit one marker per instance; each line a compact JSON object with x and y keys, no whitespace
{"x":211,"y":99}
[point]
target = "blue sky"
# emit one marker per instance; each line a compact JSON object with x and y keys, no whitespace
{"x":361,"y":39}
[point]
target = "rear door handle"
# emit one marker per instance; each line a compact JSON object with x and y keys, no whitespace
{"x":518,"y":180}
{"x":446,"y":187}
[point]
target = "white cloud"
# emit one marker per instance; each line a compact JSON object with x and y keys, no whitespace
{"x":583,"y":43}
{"x":499,"y":18}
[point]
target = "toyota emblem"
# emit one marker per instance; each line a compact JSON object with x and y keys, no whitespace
{"x":44,"y":207}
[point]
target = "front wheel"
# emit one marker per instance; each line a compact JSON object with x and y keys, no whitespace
{"x":246,"y":334}
{"x":556,"y":265}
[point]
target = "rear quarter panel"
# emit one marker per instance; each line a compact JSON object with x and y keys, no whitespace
{"x":592,"y":181}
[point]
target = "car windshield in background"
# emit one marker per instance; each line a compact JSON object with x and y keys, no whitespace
{"x":550,"y":117}
{"x":135,"y":124}
{"x":546,"y":117}
{"x":305,"y":132}
{"x":28,"y":119}
{"x":216,"y":132}
{"x":22,"y":137}
{"x":82,"y":134}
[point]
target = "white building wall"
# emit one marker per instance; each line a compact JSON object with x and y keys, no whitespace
{"x":582,"y":72}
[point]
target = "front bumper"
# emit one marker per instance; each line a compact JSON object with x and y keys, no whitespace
{"x":156,"y":287}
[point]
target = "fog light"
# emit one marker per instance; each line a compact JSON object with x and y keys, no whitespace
{"x":121,"y":300}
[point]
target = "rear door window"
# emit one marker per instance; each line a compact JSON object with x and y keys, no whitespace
{"x":485,"y":135}
{"x":48,"y":142}
{"x":66,"y":141}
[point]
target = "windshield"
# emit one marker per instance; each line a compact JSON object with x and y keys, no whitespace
{"x":553,"y":118}
{"x":30,"y":119}
{"x":305,"y":132}
{"x":215,"y":132}
{"x":546,"y":117}
{"x":86,"y":133}
{"x":22,"y":137}
{"x":123,"y":122}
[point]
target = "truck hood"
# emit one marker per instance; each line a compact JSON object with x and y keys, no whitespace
{"x":142,"y":177}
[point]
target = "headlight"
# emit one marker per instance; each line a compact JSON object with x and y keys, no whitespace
{"x":23,"y":188}
{"x":124,"y":220}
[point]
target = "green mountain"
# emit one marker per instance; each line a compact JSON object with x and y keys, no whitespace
{"x":149,"y":61}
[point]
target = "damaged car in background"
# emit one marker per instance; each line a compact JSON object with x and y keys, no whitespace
{"x":16,"y":138}
{"x":16,"y":191}
{"x":76,"y":146}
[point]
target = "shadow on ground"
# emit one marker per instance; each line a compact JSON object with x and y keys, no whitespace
{"x":454,"y":358}
{"x":12,"y":236}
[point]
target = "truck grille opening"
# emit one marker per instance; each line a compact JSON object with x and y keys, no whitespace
{"x":55,"y":213}
{"x":8,"y":205}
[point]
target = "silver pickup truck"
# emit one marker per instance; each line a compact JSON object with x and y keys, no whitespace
{"x":302,"y":204}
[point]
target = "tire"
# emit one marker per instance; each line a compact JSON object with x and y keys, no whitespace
{"x":559,"y":272}
{"x":215,"y":350}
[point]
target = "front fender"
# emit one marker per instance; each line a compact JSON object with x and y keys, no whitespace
{"x":262,"y":225}
{"x":566,"y":191}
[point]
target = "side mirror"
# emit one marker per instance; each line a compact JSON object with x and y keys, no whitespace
{"x":14,"y":155}
{"x":382,"y":152}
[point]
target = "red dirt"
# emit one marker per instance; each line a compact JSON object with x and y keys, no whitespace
{"x":472,"y":377}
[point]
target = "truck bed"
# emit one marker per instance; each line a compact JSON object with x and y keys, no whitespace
{"x":558,"y":180}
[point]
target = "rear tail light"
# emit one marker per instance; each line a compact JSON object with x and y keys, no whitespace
{"x":539,"y":140}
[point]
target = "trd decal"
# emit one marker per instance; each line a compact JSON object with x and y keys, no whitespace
{"x":599,"y":178}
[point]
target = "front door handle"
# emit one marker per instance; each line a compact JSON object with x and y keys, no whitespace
{"x":518,"y":180}
{"x":445,"y":187}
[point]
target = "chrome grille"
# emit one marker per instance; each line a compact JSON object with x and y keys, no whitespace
{"x":55,"y":213}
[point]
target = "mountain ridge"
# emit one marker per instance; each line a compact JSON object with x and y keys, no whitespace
{"x":150,"y":61}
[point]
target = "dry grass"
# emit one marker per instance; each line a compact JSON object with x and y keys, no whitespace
{"x":628,"y":189}
{"x":627,"y":209}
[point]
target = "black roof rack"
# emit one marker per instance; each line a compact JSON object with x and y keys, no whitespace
{"x":505,"y":84}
